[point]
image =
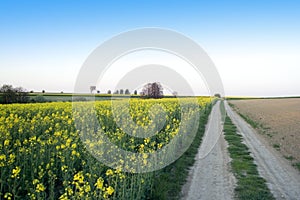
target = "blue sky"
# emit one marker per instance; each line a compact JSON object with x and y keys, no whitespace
{"x":255,"y":44}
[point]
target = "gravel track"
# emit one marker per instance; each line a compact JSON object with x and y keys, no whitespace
{"x":210,"y":177}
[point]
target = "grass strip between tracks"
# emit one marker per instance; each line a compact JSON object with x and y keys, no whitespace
{"x":250,"y":185}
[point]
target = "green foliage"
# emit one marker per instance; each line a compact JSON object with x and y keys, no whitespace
{"x":9,"y":94}
{"x":297,"y":165}
{"x":276,"y":146}
{"x":249,"y":184}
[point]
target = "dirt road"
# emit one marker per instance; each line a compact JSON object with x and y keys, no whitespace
{"x":210,"y":177}
{"x":282,"y":179}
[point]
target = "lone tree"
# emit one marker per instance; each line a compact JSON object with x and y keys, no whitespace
{"x":218,"y":95}
{"x":135,"y":92}
{"x":109,"y":92}
{"x":152,"y":90}
{"x":127,"y":91}
{"x":14,"y":95}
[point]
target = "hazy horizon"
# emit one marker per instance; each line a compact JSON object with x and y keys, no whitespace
{"x":254,"y":45}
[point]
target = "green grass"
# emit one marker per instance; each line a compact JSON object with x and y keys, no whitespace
{"x":291,"y":158}
{"x":250,"y":185}
{"x":297,"y":165}
{"x":169,"y":181}
{"x":276,"y":146}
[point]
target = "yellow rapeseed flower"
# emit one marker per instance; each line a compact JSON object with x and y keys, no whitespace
{"x":79,"y":177}
{"x":109,"y":172}
{"x":99,"y":183}
{"x":3,"y":157}
{"x":40,"y":187}
{"x":6,"y":142}
{"x":74,"y":146}
{"x":110,"y":190}
{"x":8,"y":196}
{"x":15,"y":172}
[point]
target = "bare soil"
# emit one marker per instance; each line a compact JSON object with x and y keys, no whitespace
{"x":279,"y":121}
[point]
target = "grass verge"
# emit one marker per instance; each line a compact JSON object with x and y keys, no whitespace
{"x":250,"y":185}
{"x":297,"y":165}
{"x":169,"y":180}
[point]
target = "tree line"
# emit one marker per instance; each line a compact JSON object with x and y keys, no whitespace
{"x":150,"y":90}
{"x":10,"y":94}
{"x":13,"y":95}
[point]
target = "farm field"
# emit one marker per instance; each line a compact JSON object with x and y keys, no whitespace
{"x":43,"y":157}
{"x":278,"y":122}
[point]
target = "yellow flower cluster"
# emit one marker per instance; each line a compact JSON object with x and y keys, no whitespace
{"x":15,"y":172}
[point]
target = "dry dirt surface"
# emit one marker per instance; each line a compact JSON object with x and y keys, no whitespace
{"x":210,"y":177}
{"x":280,"y":119}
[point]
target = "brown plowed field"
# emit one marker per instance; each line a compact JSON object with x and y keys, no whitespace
{"x":279,"y":122}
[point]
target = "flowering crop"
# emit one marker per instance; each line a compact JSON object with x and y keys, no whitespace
{"x":43,"y":157}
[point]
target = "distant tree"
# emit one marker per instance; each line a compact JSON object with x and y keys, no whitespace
{"x":31,"y":91}
{"x":127,"y":91}
{"x":109,"y":92}
{"x":14,"y":95}
{"x":98,"y":91}
{"x":116,"y":92}
{"x":135,"y":92}
{"x":92,"y":88}
{"x":218,"y":95}
{"x":8,"y":93}
{"x":21,"y":95}
{"x":43,"y":91}
{"x":61,"y":92}
{"x":152,"y":90}
{"x":121,"y":91}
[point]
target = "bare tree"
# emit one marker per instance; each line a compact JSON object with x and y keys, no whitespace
{"x":92,"y":88}
{"x":152,"y":90}
{"x":14,"y":95}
